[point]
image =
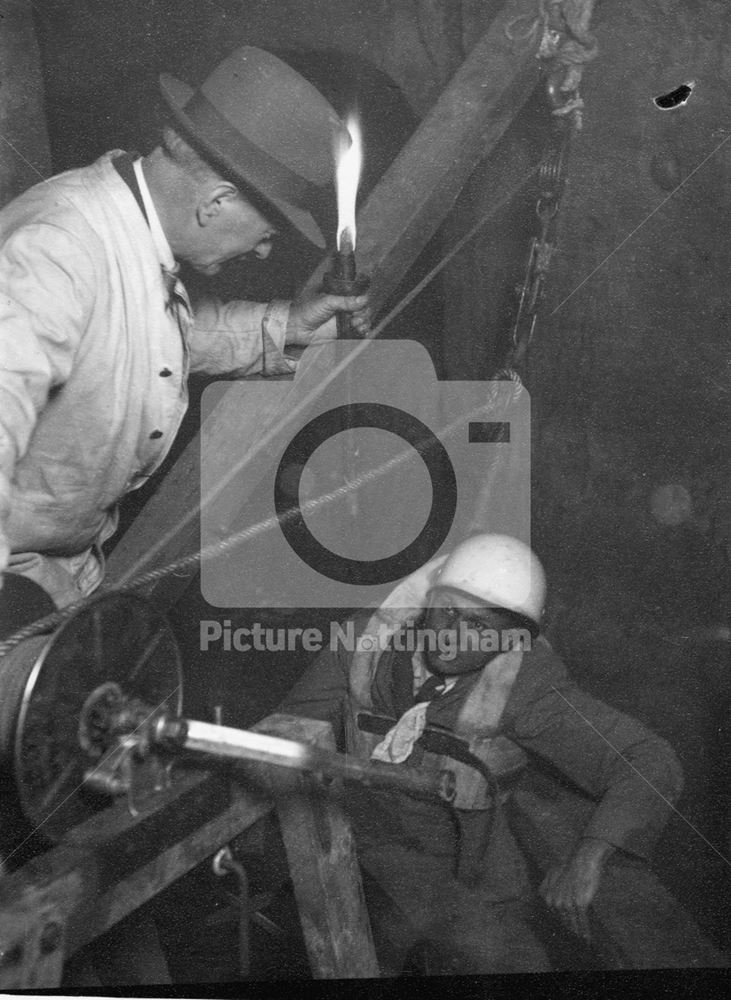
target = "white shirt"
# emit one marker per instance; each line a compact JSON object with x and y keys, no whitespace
{"x":93,"y":367}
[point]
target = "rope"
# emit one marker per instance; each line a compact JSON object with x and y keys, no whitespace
{"x":57,"y":618}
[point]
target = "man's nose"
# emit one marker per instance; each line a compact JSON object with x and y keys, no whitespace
{"x":263,"y":249}
{"x":437,"y":618}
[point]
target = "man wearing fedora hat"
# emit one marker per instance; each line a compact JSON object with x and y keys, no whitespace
{"x":97,"y":333}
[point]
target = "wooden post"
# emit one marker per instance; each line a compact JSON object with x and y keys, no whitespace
{"x":322,"y":862}
{"x":32,"y":947}
{"x":113,"y":863}
{"x":401,"y":215}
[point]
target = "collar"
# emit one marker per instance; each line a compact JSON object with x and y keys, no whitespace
{"x":162,"y":247}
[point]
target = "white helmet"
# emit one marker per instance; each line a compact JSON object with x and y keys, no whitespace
{"x":500,"y":570}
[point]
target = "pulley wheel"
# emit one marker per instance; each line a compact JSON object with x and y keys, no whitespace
{"x":117,"y":639}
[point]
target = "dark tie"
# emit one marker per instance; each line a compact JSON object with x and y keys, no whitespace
{"x":429,"y":689}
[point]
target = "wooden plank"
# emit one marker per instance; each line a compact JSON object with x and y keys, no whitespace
{"x":323,"y":863}
{"x":31,"y":947}
{"x":419,"y":189}
{"x":108,"y":867}
{"x":167,"y":866}
{"x":635,"y":922}
{"x":113,"y":863}
{"x":401,"y":215}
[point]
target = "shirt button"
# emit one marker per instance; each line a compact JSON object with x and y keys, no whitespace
{"x":165,"y":373}
{"x":156,"y":434}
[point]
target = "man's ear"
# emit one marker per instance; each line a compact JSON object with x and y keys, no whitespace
{"x":213,"y":201}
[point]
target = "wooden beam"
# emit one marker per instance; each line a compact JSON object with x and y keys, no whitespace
{"x":108,"y":867}
{"x":114,"y":862}
{"x":419,"y":189}
{"x":635,"y":922}
{"x":399,"y":218}
{"x":322,"y":862}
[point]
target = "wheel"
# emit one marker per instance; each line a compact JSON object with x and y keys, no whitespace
{"x":44,"y":684}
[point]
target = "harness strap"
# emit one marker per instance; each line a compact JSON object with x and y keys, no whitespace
{"x":472,"y":845}
{"x":433,"y":740}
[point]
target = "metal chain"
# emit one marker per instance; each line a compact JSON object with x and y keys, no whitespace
{"x":551,"y":183}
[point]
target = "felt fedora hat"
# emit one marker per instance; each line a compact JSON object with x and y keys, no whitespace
{"x":266,"y":126}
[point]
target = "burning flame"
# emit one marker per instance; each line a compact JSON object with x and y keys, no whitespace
{"x":348,"y":163}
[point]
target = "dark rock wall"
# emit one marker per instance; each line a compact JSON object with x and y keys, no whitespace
{"x":630,"y":388}
{"x":24,"y":152}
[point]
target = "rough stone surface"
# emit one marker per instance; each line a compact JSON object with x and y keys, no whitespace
{"x":24,"y":154}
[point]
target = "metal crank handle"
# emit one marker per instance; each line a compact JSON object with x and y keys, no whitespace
{"x":244,"y":745}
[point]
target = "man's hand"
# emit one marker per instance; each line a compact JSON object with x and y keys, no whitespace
{"x":309,"y":312}
{"x":569,"y":889}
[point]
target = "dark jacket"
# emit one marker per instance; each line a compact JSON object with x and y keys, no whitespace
{"x":632,"y":774}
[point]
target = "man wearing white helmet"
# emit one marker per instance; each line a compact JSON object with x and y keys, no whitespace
{"x":451,"y":672}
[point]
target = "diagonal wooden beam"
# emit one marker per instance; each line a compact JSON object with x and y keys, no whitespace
{"x":403,"y":212}
{"x":113,"y":863}
{"x":635,"y":922}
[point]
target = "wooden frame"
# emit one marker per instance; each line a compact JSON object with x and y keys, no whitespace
{"x":112,"y":864}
